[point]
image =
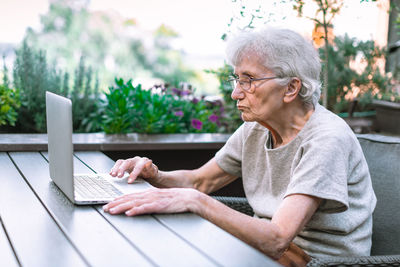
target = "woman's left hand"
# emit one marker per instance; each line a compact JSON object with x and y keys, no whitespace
{"x":171,"y":200}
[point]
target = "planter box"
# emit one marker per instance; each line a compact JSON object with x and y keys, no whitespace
{"x":387,"y":116}
{"x":360,"y":122}
{"x":117,"y":142}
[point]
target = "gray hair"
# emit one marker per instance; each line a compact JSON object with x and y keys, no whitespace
{"x":284,"y":52}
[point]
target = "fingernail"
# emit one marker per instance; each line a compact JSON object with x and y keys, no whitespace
{"x":128,"y":213}
{"x":112,"y":210}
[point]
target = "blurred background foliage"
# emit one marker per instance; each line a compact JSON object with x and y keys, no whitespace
{"x":124,"y":108}
{"x":112,"y":45}
{"x":88,"y":56}
{"x":9,"y":101}
{"x":33,"y":76}
{"x":348,"y":81}
{"x":9,"y":104}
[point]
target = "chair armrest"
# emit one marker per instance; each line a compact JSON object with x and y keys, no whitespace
{"x":386,"y":260}
{"x":237,"y":203}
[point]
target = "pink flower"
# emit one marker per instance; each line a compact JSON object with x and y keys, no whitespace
{"x":197,"y":124}
{"x":179,"y":113}
{"x":213,"y":118}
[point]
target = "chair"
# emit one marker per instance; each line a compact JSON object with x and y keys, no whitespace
{"x":383,"y":158}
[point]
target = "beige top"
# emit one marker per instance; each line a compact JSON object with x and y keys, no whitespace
{"x":324,"y":160}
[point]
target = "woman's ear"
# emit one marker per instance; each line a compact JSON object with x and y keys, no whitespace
{"x":292,"y":90}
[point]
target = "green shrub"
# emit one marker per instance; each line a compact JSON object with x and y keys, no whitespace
{"x":118,"y":108}
{"x":161,"y":109}
{"x":85,"y":99}
{"x":33,"y":76}
{"x":9,"y":104}
{"x":343,"y":77}
{"x":392,"y":92}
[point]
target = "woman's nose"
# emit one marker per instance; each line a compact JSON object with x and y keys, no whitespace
{"x":237,"y":93}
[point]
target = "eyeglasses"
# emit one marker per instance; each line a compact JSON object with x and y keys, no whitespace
{"x":245,"y":82}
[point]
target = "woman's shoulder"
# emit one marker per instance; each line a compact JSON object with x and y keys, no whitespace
{"x":254,"y":129}
{"x":250,"y":130}
{"x":326,"y":125}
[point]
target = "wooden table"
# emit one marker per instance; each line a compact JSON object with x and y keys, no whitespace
{"x":40,"y":227}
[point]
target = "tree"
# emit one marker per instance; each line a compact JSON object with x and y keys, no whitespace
{"x":247,"y":16}
{"x":111,"y":44}
{"x":325,"y":12}
{"x":348,"y":84}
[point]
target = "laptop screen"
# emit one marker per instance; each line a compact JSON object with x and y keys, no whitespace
{"x":60,"y":147}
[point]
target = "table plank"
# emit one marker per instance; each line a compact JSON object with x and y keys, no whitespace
{"x":147,"y":233}
{"x":97,"y":160}
{"x":32,"y":232}
{"x":223,"y":247}
{"x":93,"y":236}
{"x":7,"y":255}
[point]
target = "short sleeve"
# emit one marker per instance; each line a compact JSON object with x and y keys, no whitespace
{"x":321,"y":169}
{"x":229,"y":157}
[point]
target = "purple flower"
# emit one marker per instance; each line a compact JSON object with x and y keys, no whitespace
{"x":217,"y":103}
{"x":179,"y":113}
{"x":197,"y":124}
{"x":185,"y":92}
{"x":176,"y":91}
{"x":213,"y":118}
{"x":195,"y":100}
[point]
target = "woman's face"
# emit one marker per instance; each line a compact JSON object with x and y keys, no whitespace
{"x":266,"y":97}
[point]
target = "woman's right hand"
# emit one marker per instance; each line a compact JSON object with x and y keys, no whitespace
{"x":136,"y":166}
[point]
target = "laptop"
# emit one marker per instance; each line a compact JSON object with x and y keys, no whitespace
{"x":81,"y":189}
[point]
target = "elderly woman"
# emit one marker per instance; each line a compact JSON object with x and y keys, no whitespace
{"x":303,"y":170}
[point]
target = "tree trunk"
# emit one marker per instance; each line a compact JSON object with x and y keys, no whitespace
{"x":326,"y":71}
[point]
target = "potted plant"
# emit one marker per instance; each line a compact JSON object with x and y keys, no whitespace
{"x":9,"y":105}
{"x":354,"y":79}
{"x":161,"y":109}
{"x":387,"y":107}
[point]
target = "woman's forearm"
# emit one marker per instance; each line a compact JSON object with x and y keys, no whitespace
{"x":177,"y":179}
{"x":260,"y":234}
{"x":208,"y":178}
{"x":270,"y":237}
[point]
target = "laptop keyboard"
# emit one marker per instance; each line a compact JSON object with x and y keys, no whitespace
{"x":92,"y":187}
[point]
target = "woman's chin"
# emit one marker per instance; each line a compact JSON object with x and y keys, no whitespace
{"x":245,"y":117}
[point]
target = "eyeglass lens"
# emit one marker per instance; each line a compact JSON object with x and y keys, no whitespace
{"x":244,"y":83}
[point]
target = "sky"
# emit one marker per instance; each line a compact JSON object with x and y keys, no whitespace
{"x":200,"y":23}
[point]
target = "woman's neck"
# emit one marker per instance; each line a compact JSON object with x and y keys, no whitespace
{"x":288,"y":123}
